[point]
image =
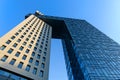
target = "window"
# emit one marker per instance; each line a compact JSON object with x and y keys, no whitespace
{"x":40,"y":51}
{"x":45,"y":49}
{"x":41,"y":46}
{"x":12,"y":61}
{"x":20,"y":65}
{"x":28,"y":68}
{"x":31,"y":60}
{"x":32,"y":42}
{"x":33,"y":53}
{"x":31,"y":33}
{"x":16,"y":33}
{"x":22,"y":28}
{"x":15,"y":44}
{"x":4,"y":58}
{"x":38,"y":56}
{"x":24,"y":33}
{"x":21,"y":48}
{"x":24,"y":57}
{"x":36,"y":44}
{"x":43,"y":65}
{"x":44,"y":59}
{"x":17,"y":54}
{"x":27,"y":39}
{"x":8,"y":42}
{"x":42,"y":43}
{"x":18,"y":40}
{"x":19,"y":30}
{"x":46,"y":41}
{"x":35,"y":48}
{"x":24,"y":43}
{"x":35,"y":35}
{"x":34,"y":70}
{"x":33,"y":38}
{"x":37,"y":63}
{"x":2,"y":47}
{"x":27,"y":51}
{"x":29,"y":46}
{"x":13,"y":37}
{"x":37,"y":40}
{"x":22,"y":36}
{"x":26,"y":30}
{"x":29,"y":36}
{"x":41,"y":73}
{"x":45,"y":53}
{"x":46,"y":45}
{"x":10,"y":50}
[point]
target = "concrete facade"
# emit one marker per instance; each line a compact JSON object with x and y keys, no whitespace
{"x":25,"y":50}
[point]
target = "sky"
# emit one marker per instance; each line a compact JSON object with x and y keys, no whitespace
{"x":103,"y":14}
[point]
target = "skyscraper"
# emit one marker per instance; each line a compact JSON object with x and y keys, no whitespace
{"x":25,"y":51}
{"x":89,"y":53}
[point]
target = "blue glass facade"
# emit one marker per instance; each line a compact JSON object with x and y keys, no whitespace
{"x":5,"y":75}
{"x":89,"y":53}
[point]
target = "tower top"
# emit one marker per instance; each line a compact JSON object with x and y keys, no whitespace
{"x":38,"y":12}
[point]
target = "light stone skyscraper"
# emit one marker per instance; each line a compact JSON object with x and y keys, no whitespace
{"x":25,"y":51}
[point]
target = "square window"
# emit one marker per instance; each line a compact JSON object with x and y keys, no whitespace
{"x":20,"y":65}
{"x":19,"y":40}
{"x":31,"y":60}
{"x":27,"y":39}
{"x":29,"y":36}
{"x":4,"y":58}
{"x":21,"y":48}
{"x":44,"y":59}
{"x":45,"y":49}
{"x":34,"y":71}
{"x":36,"y":44}
{"x":33,"y":38}
{"x":29,"y":46}
{"x":41,"y":46}
{"x":28,"y":68}
{"x":16,"y":33}
{"x":41,"y":73}
{"x":24,"y":43}
{"x":13,"y":37}
{"x":24,"y":33}
{"x":27,"y":51}
{"x":43,"y":65}
{"x":37,"y":63}
{"x":15,"y":45}
{"x":24,"y":57}
{"x":17,"y":54}
{"x":2,"y":47}
{"x":38,"y":56}
{"x":32,"y":42}
{"x":45,"y":53}
{"x":12,"y":61}
{"x":19,"y":30}
{"x":26,"y":30}
{"x":8,"y":42}
{"x":31,"y":33}
{"x":35,"y":48}
{"x":22,"y":36}
{"x":33,"y":54}
{"x":22,"y":28}
{"x":10,"y":50}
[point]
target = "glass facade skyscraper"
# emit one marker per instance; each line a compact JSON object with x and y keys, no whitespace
{"x":89,"y":53}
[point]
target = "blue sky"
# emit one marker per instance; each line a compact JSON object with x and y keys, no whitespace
{"x":103,"y":14}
